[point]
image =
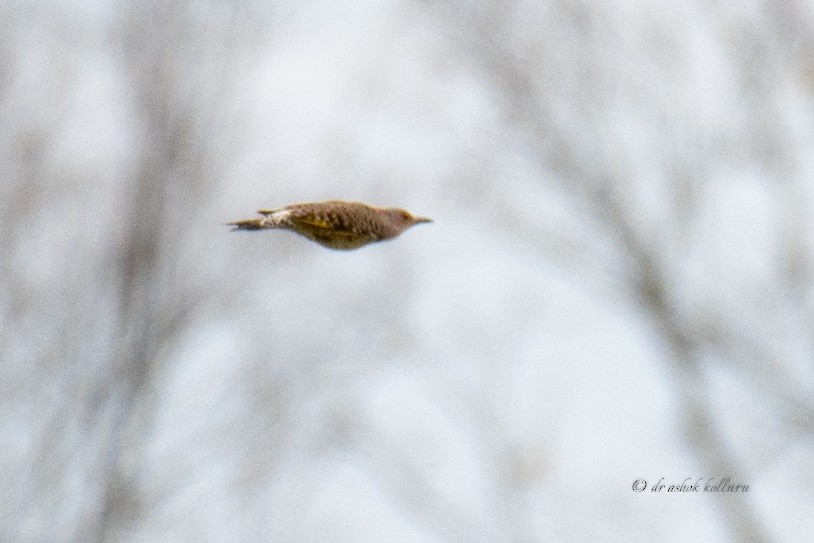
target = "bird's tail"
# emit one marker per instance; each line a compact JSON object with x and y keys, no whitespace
{"x":249,"y":224}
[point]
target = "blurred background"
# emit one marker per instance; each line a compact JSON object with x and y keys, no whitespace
{"x":617,"y":285}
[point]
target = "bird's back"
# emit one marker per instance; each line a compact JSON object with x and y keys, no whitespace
{"x":335,"y":224}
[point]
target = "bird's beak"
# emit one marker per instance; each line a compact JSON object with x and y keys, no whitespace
{"x":417,"y":220}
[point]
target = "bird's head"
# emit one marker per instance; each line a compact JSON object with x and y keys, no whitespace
{"x":401,"y":220}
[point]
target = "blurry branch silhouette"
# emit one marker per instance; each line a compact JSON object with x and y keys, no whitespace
{"x":38,"y":308}
{"x":534,"y":86}
{"x":97,"y":272}
{"x":179,"y":61}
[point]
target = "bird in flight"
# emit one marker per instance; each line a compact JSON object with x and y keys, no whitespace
{"x":335,"y":224}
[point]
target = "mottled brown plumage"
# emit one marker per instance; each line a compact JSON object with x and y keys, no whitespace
{"x":335,"y":224}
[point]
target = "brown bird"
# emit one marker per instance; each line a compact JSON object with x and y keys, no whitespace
{"x":335,"y":224}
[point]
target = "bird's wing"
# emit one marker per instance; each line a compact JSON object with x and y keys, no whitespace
{"x":311,"y":220}
{"x":302,"y":218}
{"x":317,"y":223}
